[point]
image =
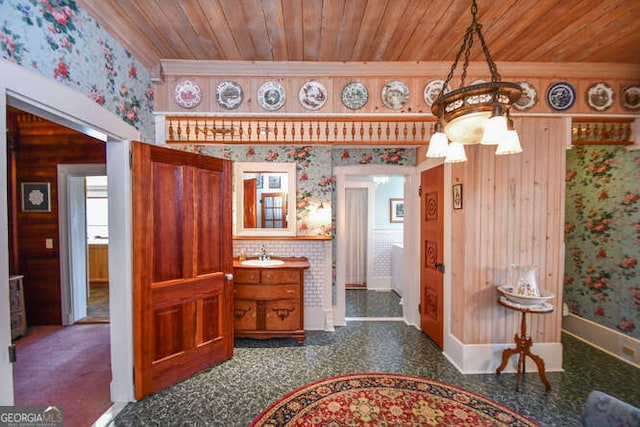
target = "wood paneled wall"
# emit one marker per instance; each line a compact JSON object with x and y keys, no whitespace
{"x":513,"y":213}
{"x":334,"y":76}
{"x":39,"y":147}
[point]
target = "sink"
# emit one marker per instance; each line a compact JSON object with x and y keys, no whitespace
{"x":262,"y":263}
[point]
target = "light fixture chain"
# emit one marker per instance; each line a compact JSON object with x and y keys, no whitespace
{"x":467,"y":53}
{"x":467,"y":36}
{"x":495,"y":76}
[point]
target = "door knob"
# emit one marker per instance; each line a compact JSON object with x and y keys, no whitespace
{"x":439,"y":266}
{"x":228,"y":276}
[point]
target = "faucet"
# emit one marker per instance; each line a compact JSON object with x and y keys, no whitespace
{"x":264,"y":256}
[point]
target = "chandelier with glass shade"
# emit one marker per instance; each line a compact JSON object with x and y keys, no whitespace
{"x":478,"y":113}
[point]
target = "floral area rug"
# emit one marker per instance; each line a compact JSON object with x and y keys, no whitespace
{"x":386,"y":400}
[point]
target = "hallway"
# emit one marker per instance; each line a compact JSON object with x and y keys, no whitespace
{"x":362,"y":303}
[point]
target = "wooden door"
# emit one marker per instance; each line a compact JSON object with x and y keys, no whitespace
{"x":432,"y":251}
{"x":274,"y":210}
{"x":183,"y":303}
{"x":249,"y":203}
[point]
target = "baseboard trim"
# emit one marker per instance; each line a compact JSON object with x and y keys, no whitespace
{"x":608,"y":340}
{"x":317,"y":319}
{"x":485,"y":358}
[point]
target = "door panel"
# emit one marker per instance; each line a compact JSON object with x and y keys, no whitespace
{"x":183,"y":318}
{"x":431,"y":248}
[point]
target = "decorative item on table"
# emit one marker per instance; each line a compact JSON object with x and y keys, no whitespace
{"x":229,"y":94}
{"x":526,"y":283}
{"x":395,"y":94}
{"x":187,"y":94}
{"x":525,"y":291}
{"x":600,"y":96}
{"x":510,"y":295}
{"x":477,"y":113}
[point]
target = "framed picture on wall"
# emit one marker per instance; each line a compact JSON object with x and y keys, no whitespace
{"x":396,"y":210}
{"x":274,"y":182}
{"x":457,"y":196}
{"x":36,"y":197}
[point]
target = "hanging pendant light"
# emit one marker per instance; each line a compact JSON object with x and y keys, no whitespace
{"x":476,"y":113}
{"x":511,"y":143}
{"x":455,"y":153}
{"x":438,"y":144}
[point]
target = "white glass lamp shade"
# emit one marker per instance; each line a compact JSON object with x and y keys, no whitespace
{"x":468,"y":128}
{"x":495,"y":130}
{"x":455,"y":153}
{"x":510,"y":144}
{"x":438,"y":145}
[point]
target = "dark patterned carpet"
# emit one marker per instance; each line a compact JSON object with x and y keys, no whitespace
{"x":261,"y":372}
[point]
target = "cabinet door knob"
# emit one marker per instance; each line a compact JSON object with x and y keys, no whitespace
{"x":228,"y":276}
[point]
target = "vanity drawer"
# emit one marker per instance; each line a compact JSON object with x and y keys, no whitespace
{"x":264,"y":293}
{"x":281,"y":275}
{"x":247,"y":275}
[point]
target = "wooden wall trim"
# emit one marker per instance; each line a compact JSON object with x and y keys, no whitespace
{"x":416,"y":76}
{"x":440,"y":70}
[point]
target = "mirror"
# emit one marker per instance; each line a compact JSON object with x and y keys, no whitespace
{"x":265,"y":199}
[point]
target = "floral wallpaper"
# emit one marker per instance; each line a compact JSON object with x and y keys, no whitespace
{"x":602,"y":236}
{"x":61,"y":41}
{"x":315,"y":182}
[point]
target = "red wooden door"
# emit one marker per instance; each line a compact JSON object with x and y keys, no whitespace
{"x":183,"y":302}
{"x":432,"y":251}
{"x":249,"y":203}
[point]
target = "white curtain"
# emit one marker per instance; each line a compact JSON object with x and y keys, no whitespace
{"x":356,"y":226}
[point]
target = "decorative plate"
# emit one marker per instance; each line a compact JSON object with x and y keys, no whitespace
{"x":508,"y":292}
{"x":355,"y":95}
{"x":631,"y":97}
{"x":312,"y":95}
{"x":529,"y":96}
{"x":395,"y":94}
{"x":229,"y":94}
{"x":561,"y":96}
{"x":271,"y":96}
{"x":432,"y":90}
{"x":188,"y":94}
{"x":600,"y":96}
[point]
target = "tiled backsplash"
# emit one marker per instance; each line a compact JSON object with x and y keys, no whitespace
{"x":383,"y":241}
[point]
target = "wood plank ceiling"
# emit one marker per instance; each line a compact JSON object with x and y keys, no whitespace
{"x":557,"y":31}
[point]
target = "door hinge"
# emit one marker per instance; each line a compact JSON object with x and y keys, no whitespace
{"x":420,"y":191}
{"x":13,"y":355}
{"x":419,"y":308}
{"x":130,"y":159}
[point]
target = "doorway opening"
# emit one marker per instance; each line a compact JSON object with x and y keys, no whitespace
{"x":34,"y":93}
{"x":368,"y":235}
{"x":97,"y":240}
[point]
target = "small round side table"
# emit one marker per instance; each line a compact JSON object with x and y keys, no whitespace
{"x":523,"y":344}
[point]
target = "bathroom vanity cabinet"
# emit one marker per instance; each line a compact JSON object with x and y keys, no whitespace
{"x":269,"y":300}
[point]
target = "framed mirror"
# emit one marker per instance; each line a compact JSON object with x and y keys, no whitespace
{"x":265,"y":199}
